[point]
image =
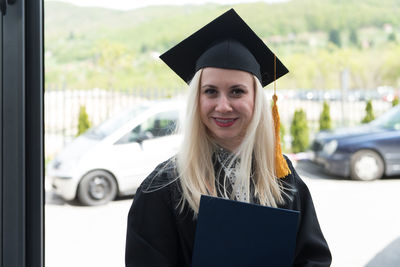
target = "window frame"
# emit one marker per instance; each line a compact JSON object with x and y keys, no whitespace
{"x":21,"y":138}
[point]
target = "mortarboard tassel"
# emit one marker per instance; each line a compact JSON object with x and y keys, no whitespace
{"x":281,"y":167}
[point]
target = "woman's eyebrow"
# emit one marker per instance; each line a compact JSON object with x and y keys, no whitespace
{"x":208,"y":86}
{"x":238,"y":85}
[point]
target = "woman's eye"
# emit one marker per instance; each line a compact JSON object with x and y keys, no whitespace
{"x":210,"y":91}
{"x":237,"y":92}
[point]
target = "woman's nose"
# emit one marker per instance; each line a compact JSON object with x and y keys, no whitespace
{"x":223,"y":104}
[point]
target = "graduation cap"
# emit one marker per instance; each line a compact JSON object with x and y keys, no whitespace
{"x":228,"y":42}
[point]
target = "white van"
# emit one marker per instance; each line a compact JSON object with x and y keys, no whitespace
{"x":113,"y":158}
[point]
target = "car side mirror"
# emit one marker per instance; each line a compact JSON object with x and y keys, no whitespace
{"x":144,"y":136}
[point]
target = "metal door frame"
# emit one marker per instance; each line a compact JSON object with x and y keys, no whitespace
{"x":21,"y":138}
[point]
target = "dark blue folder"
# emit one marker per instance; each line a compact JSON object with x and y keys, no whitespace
{"x":232,"y":233}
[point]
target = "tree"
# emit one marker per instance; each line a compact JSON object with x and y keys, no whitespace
{"x":392,"y":37}
{"x":111,"y":58}
{"x":325,"y":118}
{"x":353,"y":37}
{"x":83,"y":121}
{"x":369,"y":116}
{"x":299,"y":131}
{"x":334,"y":37}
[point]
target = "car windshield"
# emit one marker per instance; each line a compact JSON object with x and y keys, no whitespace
{"x":114,"y":123}
{"x":389,"y":120}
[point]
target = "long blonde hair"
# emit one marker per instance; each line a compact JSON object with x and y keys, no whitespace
{"x":256,"y":153}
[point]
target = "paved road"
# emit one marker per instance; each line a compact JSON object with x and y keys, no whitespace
{"x":360,"y":220}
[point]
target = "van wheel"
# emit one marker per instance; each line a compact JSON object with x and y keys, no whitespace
{"x":97,"y":188}
{"x":366,"y":165}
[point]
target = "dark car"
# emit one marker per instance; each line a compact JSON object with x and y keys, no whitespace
{"x":366,"y":152}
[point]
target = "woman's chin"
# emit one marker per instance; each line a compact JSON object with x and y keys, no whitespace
{"x":228,"y":141}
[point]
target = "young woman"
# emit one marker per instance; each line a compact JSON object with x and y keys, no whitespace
{"x":229,"y":150}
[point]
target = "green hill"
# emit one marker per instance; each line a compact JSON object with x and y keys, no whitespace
{"x":94,"y":47}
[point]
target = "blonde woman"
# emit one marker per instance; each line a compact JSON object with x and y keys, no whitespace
{"x":229,"y":150}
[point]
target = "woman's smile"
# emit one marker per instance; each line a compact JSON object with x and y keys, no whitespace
{"x":224,"y":122}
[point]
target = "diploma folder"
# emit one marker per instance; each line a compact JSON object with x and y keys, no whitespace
{"x":236,"y":234}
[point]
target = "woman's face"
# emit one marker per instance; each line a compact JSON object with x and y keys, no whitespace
{"x":226,"y":104}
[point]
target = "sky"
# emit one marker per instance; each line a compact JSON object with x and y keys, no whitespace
{"x":132,"y":4}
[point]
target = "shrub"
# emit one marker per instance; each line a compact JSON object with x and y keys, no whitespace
{"x":325,"y":118}
{"x":395,"y":101}
{"x":282,"y":132}
{"x":299,"y":131}
{"x":83,"y":121}
{"x":369,"y":116}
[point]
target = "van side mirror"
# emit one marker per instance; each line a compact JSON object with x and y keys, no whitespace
{"x":144,"y":136}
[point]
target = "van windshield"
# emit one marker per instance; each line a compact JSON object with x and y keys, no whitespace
{"x":110,"y":125}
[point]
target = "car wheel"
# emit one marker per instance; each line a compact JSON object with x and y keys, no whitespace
{"x":97,"y":188}
{"x":366,"y":165}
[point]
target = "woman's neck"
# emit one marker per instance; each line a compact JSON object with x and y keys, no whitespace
{"x":228,"y":146}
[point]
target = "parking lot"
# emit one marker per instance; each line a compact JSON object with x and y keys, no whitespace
{"x":360,"y":220}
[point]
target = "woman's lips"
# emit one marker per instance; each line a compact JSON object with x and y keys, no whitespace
{"x":225,"y":122}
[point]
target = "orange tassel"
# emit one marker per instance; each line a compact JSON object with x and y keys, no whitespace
{"x":281,"y":167}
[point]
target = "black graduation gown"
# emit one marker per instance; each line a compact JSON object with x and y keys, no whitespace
{"x":159,"y":235}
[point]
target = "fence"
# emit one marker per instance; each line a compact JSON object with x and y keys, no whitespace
{"x":62,"y":109}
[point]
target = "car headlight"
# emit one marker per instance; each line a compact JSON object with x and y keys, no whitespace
{"x":330,"y":147}
{"x":56,"y":164}
{"x":63,"y":165}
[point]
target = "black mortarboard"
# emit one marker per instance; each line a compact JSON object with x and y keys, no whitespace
{"x":226,"y":42}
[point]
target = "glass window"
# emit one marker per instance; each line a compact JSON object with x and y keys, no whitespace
{"x":114,"y":123}
{"x":162,"y":124}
